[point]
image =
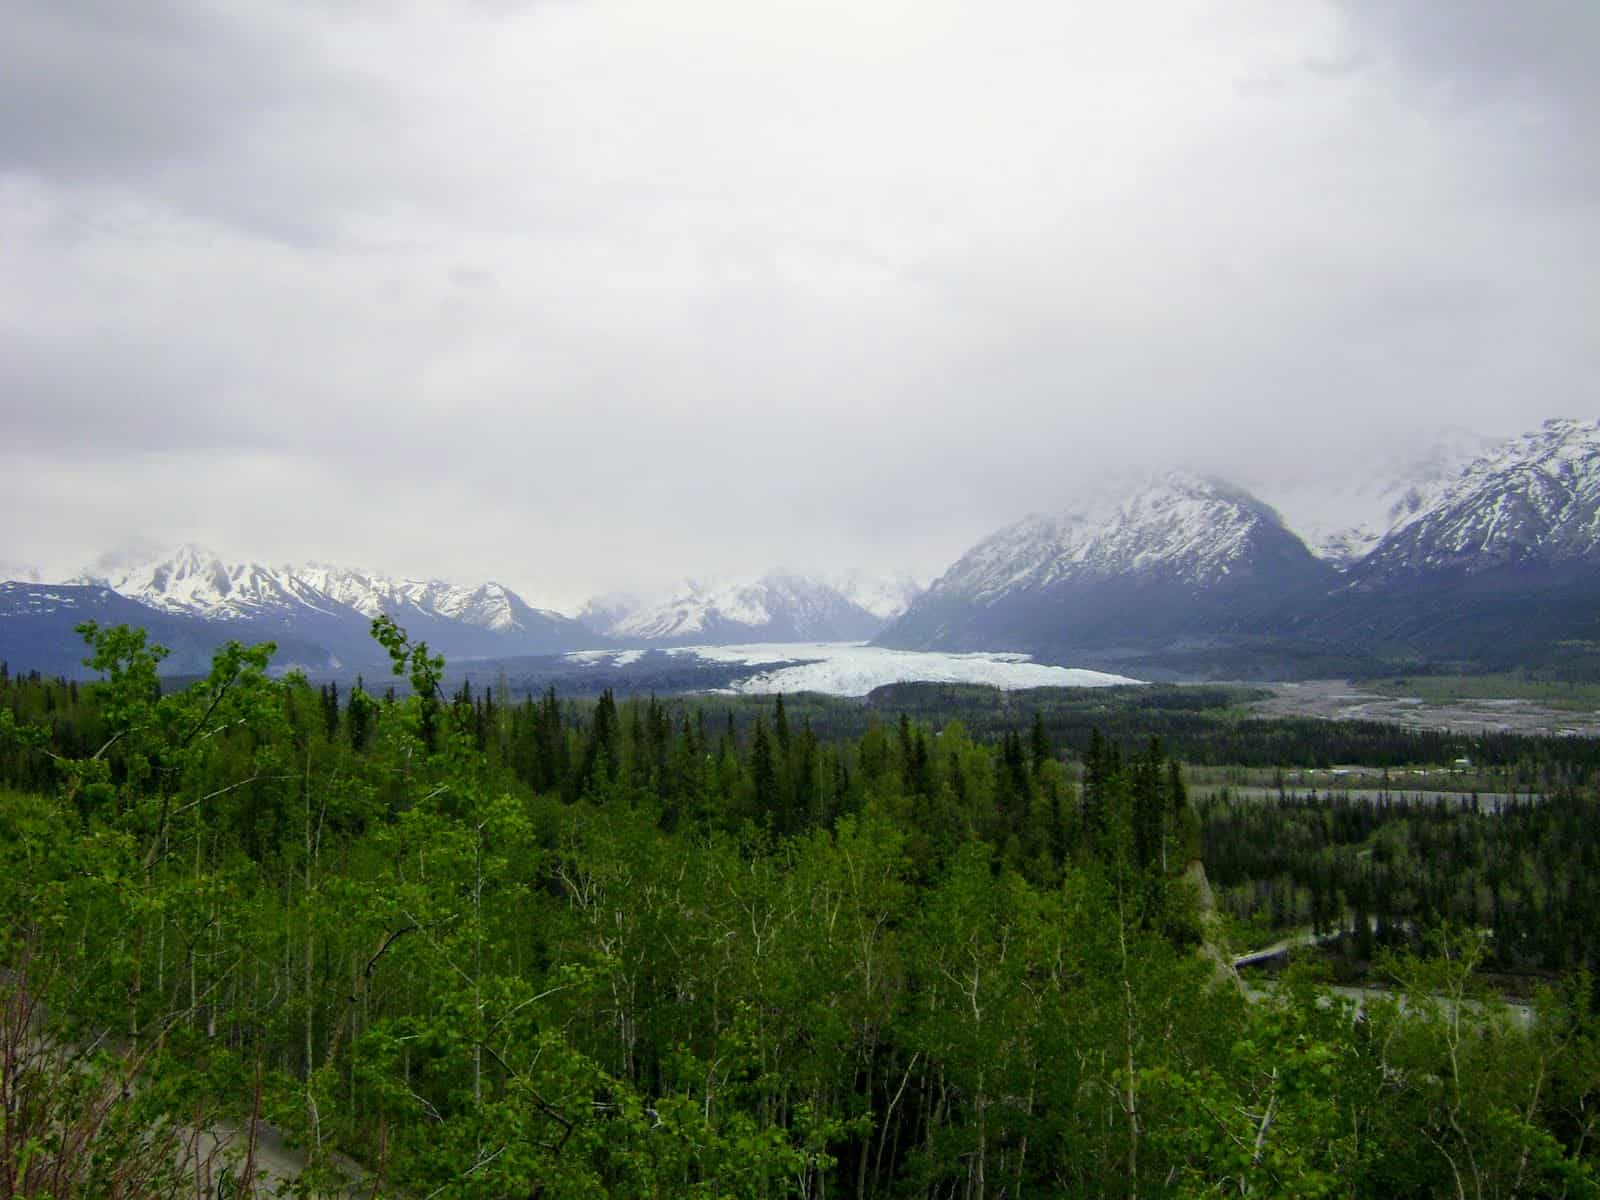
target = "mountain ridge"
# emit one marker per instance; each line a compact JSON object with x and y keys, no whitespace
{"x":1493,"y":564}
{"x":329,"y":609}
{"x":1341,"y":517}
{"x":1182,"y":557}
{"x":1534,"y":500}
{"x":779,"y":605}
{"x":1496,"y":562}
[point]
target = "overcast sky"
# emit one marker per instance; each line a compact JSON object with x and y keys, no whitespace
{"x":583,"y":295}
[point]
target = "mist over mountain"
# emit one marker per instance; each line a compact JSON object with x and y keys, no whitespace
{"x":289,"y":283}
{"x":1501,"y":568}
{"x":1182,"y":559}
{"x":1459,"y":554}
{"x":779,"y":606}
{"x":1343,"y":513}
{"x":1529,"y":504}
{"x":320,"y":614}
{"x":1468,"y":555}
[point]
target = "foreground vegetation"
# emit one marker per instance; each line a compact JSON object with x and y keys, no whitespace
{"x":1387,"y":870}
{"x":546,"y":950}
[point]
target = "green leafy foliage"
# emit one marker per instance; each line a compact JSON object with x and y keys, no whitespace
{"x":544,"y":949}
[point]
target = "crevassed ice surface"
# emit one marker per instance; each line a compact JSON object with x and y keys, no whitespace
{"x":854,"y":668}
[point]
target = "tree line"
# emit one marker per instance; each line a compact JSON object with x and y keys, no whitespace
{"x":1387,"y":868}
{"x":540,"y":949}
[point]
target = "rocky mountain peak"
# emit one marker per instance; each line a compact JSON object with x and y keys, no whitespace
{"x":1532,"y":501}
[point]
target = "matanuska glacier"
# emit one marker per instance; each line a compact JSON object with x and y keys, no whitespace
{"x":856,"y":669}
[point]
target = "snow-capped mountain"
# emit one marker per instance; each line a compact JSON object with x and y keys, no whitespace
{"x":38,"y":630}
{"x":195,"y":581}
{"x":1500,"y":569}
{"x":1178,"y":556}
{"x":1490,"y":565}
{"x":884,"y":596}
{"x":1533,"y":502}
{"x":333,"y":606}
{"x":1419,"y":559}
{"x":1185,"y":527}
{"x":1342,"y":510}
{"x":778,"y":606}
{"x":491,"y":606}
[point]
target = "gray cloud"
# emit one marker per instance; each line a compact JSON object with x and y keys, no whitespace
{"x":1526,"y":71}
{"x":587,"y":295}
{"x":1487,"y":51}
{"x":97,"y":89}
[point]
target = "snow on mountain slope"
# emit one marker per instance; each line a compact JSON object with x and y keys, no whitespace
{"x":1176,"y":558}
{"x":38,"y":630}
{"x":605,"y":612}
{"x":333,"y":606}
{"x":193,"y":580}
{"x":371,"y":594}
{"x":489,"y":606}
{"x":1186,"y":527}
{"x":778,"y":606}
{"x":884,"y":596}
{"x":684,"y":611}
{"x":1534,"y":500}
{"x":1342,"y":510}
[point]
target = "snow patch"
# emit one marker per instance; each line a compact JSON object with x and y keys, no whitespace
{"x":617,"y":658}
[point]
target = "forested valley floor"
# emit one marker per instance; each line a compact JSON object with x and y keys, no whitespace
{"x":944,"y":943}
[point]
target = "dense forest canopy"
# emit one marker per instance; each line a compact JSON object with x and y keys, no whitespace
{"x":935,"y":945}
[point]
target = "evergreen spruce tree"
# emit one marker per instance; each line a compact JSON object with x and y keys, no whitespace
{"x":330,"y":710}
{"x":764,"y":777}
{"x":780,"y":727}
{"x":1039,"y":745}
